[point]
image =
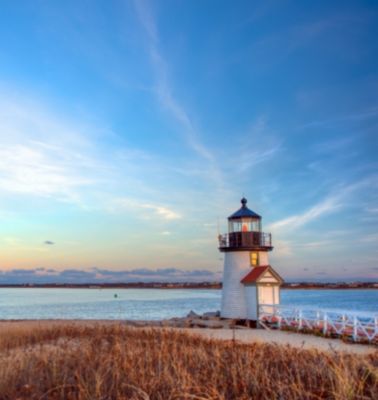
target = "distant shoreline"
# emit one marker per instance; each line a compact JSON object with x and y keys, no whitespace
{"x":189,"y":285}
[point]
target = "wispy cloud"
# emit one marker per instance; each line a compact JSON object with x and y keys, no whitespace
{"x":367,"y":114}
{"x":257,"y":145}
{"x":328,"y":205}
{"x":283,"y":42}
{"x":252,"y":158}
{"x":30,"y":169}
{"x":43,"y":154}
{"x":333,"y":145}
{"x":372,"y":210}
{"x":369,"y":238}
{"x":283,"y":248}
{"x":21,"y":245}
{"x":48,"y":154}
{"x":165,"y":91}
{"x":332,"y":203}
{"x":210,"y":169}
{"x":163,"y":212}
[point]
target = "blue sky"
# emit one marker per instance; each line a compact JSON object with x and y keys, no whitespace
{"x":131,"y":129}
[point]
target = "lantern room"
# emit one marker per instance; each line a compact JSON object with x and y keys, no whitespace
{"x":244,"y":220}
{"x":245,"y":231}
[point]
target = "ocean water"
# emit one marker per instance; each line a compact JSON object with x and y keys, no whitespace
{"x":154,"y":304}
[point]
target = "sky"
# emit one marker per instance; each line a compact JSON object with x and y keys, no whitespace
{"x":130,"y":130}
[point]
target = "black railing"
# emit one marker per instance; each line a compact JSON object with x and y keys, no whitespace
{"x":245,"y":239}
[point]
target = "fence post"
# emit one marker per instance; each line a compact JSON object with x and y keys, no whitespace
{"x":300,"y":320}
{"x":355,"y":330}
{"x":258,"y":312}
{"x":337,"y":323}
{"x":317,"y":322}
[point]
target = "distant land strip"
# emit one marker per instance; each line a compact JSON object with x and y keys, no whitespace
{"x":188,"y":285}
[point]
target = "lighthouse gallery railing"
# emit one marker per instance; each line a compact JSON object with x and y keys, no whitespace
{"x":245,"y":239}
{"x":357,"y":326}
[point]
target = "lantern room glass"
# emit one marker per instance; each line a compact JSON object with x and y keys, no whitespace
{"x":244,"y":225}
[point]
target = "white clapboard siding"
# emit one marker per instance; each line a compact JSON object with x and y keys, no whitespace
{"x":263,"y":258}
{"x":236,"y":267}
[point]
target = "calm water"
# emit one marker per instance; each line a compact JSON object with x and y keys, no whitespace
{"x":155,"y":304}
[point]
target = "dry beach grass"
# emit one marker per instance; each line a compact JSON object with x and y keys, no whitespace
{"x":113,"y":361}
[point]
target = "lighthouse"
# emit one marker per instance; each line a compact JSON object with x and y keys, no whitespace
{"x":248,"y":279}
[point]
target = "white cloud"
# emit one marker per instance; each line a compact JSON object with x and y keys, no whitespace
{"x":33,"y":170}
{"x":163,"y":212}
{"x":332,"y":203}
{"x":43,"y":153}
{"x":328,"y":205}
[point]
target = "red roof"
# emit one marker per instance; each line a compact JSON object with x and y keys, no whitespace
{"x":255,"y":273}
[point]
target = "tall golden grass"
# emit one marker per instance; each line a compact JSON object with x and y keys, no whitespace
{"x":94,"y":362}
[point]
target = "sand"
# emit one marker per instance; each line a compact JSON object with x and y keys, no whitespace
{"x":293,"y":339}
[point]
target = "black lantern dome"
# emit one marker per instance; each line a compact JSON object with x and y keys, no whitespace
{"x":244,"y":211}
{"x":244,"y":219}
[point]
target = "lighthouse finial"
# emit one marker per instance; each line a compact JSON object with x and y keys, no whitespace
{"x":243,"y":201}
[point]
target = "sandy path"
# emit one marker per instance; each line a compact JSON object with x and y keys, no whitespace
{"x":283,"y":338}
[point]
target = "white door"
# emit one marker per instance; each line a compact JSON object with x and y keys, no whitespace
{"x":266,"y":294}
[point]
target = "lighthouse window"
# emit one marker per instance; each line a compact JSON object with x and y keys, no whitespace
{"x":237,"y":226}
{"x":254,"y":258}
{"x":255,"y":226}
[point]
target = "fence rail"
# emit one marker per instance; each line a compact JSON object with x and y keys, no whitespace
{"x":245,"y":239}
{"x":359,"y":327}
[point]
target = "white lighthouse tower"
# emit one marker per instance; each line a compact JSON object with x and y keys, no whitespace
{"x":248,"y":279}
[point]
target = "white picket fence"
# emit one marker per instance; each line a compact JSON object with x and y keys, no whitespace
{"x":358,"y":326}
